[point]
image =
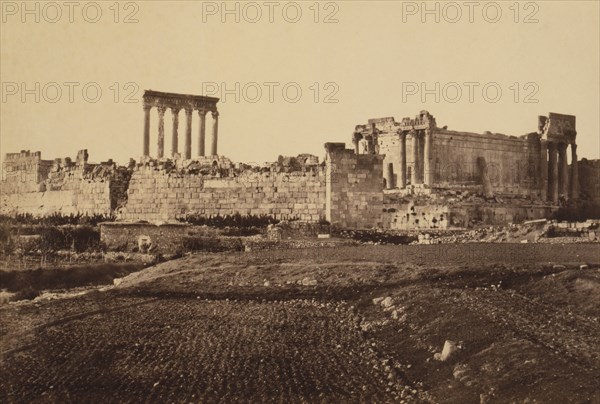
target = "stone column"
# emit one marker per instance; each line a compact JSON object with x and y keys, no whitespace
{"x":414,"y":177}
{"x":147,"y":109}
{"x":552,"y":173}
{"x":574,"y":173}
{"x":215,"y":133}
{"x":402,"y":174}
{"x":389,"y":176}
{"x":160,"y":151}
{"x":563,"y":170}
{"x":428,"y":175}
{"x":175,"y":134}
{"x":421,"y":157}
{"x":543,"y":170}
{"x":188,"y":133}
{"x":201,"y":132}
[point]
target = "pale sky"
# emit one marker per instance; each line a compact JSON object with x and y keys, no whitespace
{"x":369,"y":61}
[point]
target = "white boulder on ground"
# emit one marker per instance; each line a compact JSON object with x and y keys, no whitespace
{"x":450,"y":347}
{"x":387,"y":302}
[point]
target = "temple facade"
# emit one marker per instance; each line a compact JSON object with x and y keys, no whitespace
{"x":421,"y":156}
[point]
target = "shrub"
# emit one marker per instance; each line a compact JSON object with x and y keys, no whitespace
{"x":235,"y":220}
{"x":79,"y":238}
{"x":56,"y":219}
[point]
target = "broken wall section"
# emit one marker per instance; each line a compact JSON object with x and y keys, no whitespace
{"x":43,"y":187}
{"x":354,"y":188}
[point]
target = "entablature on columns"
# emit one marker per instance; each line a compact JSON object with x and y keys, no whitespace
{"x":180,"y":101}
{"x":421,"y":122}
{"x":558,"y":128}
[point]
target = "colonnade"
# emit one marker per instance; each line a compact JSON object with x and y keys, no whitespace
{"x":558,"y":181}
{"x":177,"y":102}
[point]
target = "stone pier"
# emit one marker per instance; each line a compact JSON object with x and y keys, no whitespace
{"x":176,"y":102}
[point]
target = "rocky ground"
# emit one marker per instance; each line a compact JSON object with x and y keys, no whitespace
{"x":519,"y":322}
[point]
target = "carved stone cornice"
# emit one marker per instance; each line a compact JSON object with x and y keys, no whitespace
{"x":181,"y":101}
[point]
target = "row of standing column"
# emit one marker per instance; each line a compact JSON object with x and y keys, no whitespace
{"x":421,"y":169}
{"x":555,"y":171}
{"x":175,"y":130}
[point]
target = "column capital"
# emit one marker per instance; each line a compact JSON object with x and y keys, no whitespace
{"x":147,"y":107}
{"x":161,"y":109}
{"x":188,"y":111}
{"x":175,"y":110}
{"x":215,"y":114}
{"x":202,"y":112}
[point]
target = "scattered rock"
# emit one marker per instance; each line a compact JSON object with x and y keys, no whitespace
{"x":387,"y":302}
{"x":309,"y":282}
{"x":267,"y":284}
{"x":377,"y":300}
{"x":558,"y":267}
{"x":450,"y":347}
{"x":117,"y":281}
{"x":584,"y":266}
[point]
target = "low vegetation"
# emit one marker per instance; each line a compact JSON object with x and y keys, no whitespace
{"x":235,"y":220}
{"x":26,"y":285}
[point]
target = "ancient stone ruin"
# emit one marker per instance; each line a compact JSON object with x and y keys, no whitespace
{"x":410,"y":174}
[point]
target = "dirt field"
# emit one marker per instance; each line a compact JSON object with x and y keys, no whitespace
{"x":301,"y":326}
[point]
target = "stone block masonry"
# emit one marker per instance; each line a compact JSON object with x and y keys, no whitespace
{"x":158,"y":192}
{"x":354,"y":188}
{"x":347,"y":189}
{"x":45,"y":187}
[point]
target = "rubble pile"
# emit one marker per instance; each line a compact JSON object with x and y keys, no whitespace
{"x":535,"y":231}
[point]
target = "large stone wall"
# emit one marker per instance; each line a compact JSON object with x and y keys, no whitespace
{"x":39,"y":187}
{"x":513,"y":164}
{"x":354,"y":188}
{"x":159,"y":193}
{"x":83,"y":197}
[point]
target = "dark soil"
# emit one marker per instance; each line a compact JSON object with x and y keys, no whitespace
{"x":301,"y":326}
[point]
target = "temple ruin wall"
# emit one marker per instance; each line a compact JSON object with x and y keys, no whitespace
{"x":157,"y":195}
{"x":512,"y":163}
